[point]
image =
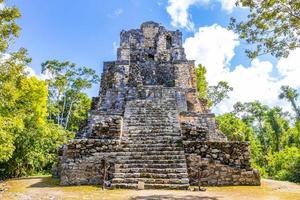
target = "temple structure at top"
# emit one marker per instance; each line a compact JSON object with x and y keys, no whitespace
{"x":148,"y":57}
{"x":149,"y":124}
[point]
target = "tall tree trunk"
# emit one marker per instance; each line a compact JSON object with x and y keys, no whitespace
{"x":297,"y":110}
{"x":69,"y":114}
{"x":63,"y":109}
{"x":57,"y":102}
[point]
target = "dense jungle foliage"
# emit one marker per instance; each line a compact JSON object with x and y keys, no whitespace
{"x":274,"y":135}
{"x":36,"y":116}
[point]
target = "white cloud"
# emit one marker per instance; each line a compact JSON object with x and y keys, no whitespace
{"x":2,"y":5}
{"x":178,"y":10}
{"x":4,"y":57}
{"x":118,"y":12}
{"x":30,"y":72}
{"x":227,"y":5}
{"x":289,"y":68}
{"x":214,"y":46}
{"x":251,"y":83}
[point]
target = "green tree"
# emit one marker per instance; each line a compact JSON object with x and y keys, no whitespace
{"x":12,"y":74}
{"x":290,"y":95}
{"x":233,"y":127}
{"x":291,"y":137}
{"x":212,"y":94}
{"x":275,"y":126}
{"x":253,"y":114}
{"x":218,"y":93}
{"x":201,"y":82}
{"x":269,"y":124}
{"x":37,"y":140}
{"x":66,"y":84}
{"x":272,"y":26}
{"x":30,"y":140}
{"x":8,"y":26}
{"x":6,"y":139}
{"x":273,"y":133}
{"x":285,"y":165}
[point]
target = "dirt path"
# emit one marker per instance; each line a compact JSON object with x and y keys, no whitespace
{"x":46,"y":188}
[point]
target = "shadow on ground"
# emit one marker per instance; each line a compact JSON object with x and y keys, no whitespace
{"x":168,"y":197}
{"x":45,"y":182}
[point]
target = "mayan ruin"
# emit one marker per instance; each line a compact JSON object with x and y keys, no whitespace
{"x":147,"y":125}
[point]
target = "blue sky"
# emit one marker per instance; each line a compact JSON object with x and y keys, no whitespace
{"x":86,"y":32}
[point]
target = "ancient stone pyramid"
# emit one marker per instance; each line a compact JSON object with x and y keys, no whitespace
{"x":147,"y":124}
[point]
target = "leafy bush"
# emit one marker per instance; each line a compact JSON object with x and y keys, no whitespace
{"x":285,"y":165}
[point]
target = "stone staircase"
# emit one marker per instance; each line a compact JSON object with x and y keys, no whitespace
{"x":152,"y":150}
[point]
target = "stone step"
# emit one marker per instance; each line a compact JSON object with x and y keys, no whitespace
{"x":153,"y":165}
{"x":154,"y":105}
{"x":151,"y":149}
{"x":152,"y":157}
{"x":157,"y":132}
{"x":150,"y":124}
{"x":152,"y":171}
{"x":151,"y":141}
{"x":137,"y":126}
{"x":151,"y":128}
{"x":143,"y":135}
{"x":140,"y":118}
{"x":148,"y":117}
{"x":165,"y":117}
{"x":155,"y":145}
{"x":151,"y":175}
{"x":162,"y":139}
{"x":146,"y":153}
{"x":153,"y":102}
{"x":151,"y":161}
{"x":149,"y":131}
{"x":151,"y":180}
{"x":152,"y":186}
{"x":145,"y":115}
{"x":170,"y":103}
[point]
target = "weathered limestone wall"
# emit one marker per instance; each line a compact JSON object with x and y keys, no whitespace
{"x":220,"y":163}
{"x":81,"y":162}
{"x":205,"y":120}
{"x":192,"y":132}
{"x":112,"y":91}
{"x":105,"y":126}
{"x":102,"y":126}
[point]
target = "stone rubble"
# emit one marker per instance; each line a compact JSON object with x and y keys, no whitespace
{"x":149,"y":125}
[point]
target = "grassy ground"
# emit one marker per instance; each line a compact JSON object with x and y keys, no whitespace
{"x":48,"y":188}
